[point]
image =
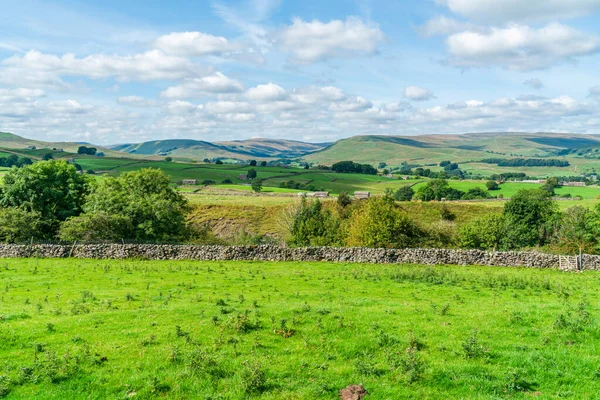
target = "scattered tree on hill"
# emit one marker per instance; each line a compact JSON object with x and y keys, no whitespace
{"x":15,"y":161}
{"x":47,"y":156}
{"x":404,"y":193}
{"x":252,"y":173}
{"x":219,"y":162}
{"x":252,"y":163}
{"x":206,"y":160}
{"x":492,"y":185}
{"x":86,"y":150}
{"x":263,"y":163}
{"x":444,"y":163}
{"x":352,"y":167}
{"x":257,"y":185}
{"x":168,"y":159}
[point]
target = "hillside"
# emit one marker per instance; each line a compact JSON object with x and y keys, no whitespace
{"x":241,"y":149}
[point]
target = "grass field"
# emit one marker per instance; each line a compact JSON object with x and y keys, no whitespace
{"x":75,"y":329}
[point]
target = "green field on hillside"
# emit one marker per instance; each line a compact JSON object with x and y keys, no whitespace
{"x":97,"y":329}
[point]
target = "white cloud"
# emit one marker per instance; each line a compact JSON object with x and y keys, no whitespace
{"x":268,"y":92}
{"x":418,"y":94}
{"x":136,"y":101}
{"x":444,"y":26}
{"x":46,"y":69}
{"x":534,"y":83}
{"x":194,"y":44}
{"x":520,"y":10}
{"x":595,"y":91}
{"x":354,"y":103}
{"x":308,"y":42}
{"x":520,"y":47}
{"x":195,"y":87}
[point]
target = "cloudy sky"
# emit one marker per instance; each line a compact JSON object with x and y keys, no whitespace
{"x":112,"y":71}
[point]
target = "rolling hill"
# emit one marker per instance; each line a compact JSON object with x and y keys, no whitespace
{"x":240,"y":149}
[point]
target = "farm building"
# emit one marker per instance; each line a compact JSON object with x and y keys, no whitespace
{"x":31,"y":147}
{"x":243,"y":177}
{"x":362,"y":195}
{"x":190,"y":181}
{"x":321,"y":194}
{"x":573,"y":184}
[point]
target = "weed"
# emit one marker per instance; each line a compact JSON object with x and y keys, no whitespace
{"x":253,"y":377}
{"x":471,"y":346}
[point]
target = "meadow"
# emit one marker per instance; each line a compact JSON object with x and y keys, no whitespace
{"x":96,"y":329}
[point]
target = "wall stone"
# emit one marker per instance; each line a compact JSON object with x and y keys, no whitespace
{"x":276,"y":253}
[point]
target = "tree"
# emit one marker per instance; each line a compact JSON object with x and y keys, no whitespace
{"x":206,"y":160}
{"x":313,"y":226}
{"x":380,"y":223}
{"x":263,"y":163}
{"x":444,"y":163}
{"x":52,"y":189}
{"x":344,"y":200}
{"x":576,"y":230}
{"x":492,"y":185}
{"x":252,"y":163}
{"x":251,"y":173}
{"x":257,"y":185}
{"x":168,"y":159}
{"x":219,"y":162}
{"x":156,"y":210}
{"x":475,"y":193}
{"x":86,"y":150}
{"x":404,"y":193}
{"x":527,"y":214}
{"x":382,"y":165}
{"x":47,"y":156}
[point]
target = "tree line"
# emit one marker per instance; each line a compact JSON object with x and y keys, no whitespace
{"x":526,"y":162}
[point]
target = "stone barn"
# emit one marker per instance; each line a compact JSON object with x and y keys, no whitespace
{"x":362,"y":195}
{"x":190,"y":181}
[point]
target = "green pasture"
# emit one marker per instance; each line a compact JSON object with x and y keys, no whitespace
{"x":98,"y":329}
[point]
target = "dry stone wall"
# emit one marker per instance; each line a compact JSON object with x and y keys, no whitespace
{"x":276,"y":253}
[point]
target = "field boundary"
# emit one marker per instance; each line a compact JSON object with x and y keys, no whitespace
{"x":304,"y":254}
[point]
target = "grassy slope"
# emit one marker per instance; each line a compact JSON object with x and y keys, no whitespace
{"x":116,"y":322}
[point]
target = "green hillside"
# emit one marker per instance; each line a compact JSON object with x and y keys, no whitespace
{"x":239,"y":149}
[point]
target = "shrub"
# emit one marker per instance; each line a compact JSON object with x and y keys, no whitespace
{"x":380,"y":223}
{"x":527,"y":214}
{"x":257,"y":185}
{"x":96,"y":227}
{"x":17,"y":226}
{"x":311,"y":225}
{"x":485,"y":233}
{"x":344,"y":200}
{"x":492,"y":185}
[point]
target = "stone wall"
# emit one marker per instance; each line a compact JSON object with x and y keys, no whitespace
{"x":275,"y":253}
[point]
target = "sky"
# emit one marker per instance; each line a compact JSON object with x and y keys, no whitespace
{"x":114,"y":71}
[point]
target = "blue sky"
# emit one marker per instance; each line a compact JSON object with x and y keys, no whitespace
{"x":128,"y":71}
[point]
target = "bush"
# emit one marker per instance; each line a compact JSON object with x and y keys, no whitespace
{"x":155,"y":209}
{"x":380,"y":223}
{"x":492,"y":185}
{"x":96,"y":227}
{"x":484,"y":233}
{"x":227,"y":181}
{"x":527,"y":215}
{"x":311,"y":225}
{"x":344,"y":200}
{"x":18,"y":226}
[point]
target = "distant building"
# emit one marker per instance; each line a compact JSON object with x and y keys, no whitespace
{"x":70,"y":160}
{"x":243,"y":177}
{"x":362,"y":195}
{"x":61,"y":150}
{"x":31,"y":147}
{"x":190,"y":181}
{"x":321,"y":195}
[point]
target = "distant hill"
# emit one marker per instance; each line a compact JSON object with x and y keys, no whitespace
{"x":467,"y":147}
{"x":242,"y":149}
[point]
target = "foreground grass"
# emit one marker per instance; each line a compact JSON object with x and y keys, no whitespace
{"x":234,"y":330}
